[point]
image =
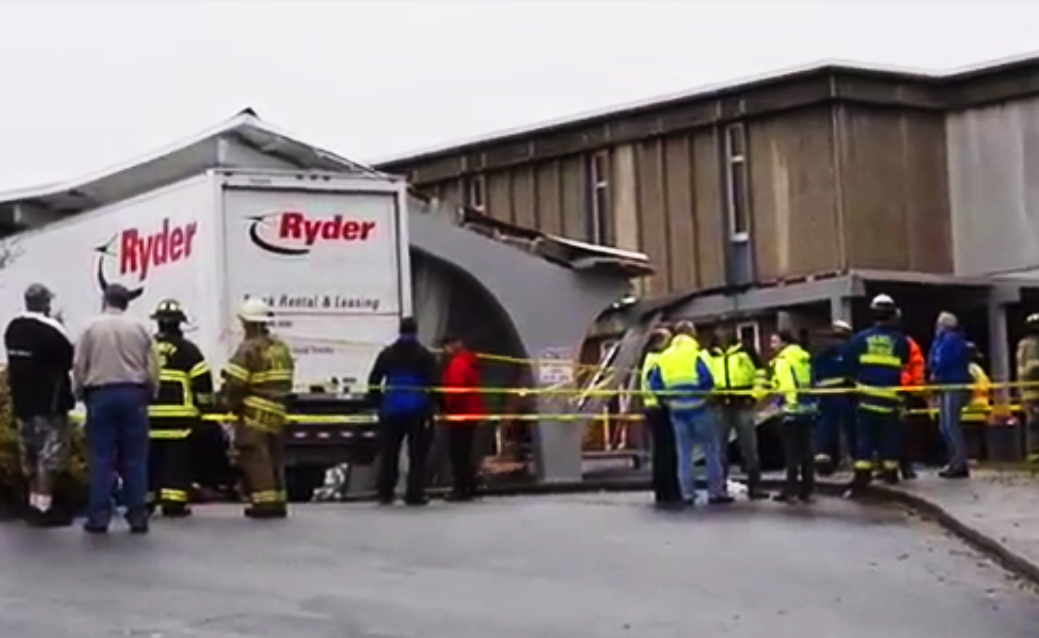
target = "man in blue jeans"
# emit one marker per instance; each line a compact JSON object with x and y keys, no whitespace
{"x":682,"y":379}
{"x":116,"y":372}
{"x":949,"y":363}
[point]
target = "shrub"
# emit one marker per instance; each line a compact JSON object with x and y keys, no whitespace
{"x":71,"y":485}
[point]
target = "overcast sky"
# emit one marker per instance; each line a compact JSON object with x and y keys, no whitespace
{"x":88,"y":84}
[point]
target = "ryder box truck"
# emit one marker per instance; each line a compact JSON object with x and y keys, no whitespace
{"x":329,"y":252}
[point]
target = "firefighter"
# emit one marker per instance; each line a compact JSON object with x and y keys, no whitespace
{"x":185,"y":392}
{"x":837,"y":405}
{"x":257,"y":383}
{"x":1028,"y":373}
{"x":875,"y":358}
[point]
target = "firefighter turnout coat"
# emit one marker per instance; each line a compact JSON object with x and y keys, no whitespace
{"x":185,"y":388}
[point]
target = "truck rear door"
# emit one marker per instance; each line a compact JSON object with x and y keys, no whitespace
{"x":329,"y":256}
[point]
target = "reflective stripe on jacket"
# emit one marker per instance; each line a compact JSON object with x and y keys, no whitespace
{"x":736,"y":368}
{"x":257,"y":382}
{"x":875,"y":358}
{"x":185,"y":388}
{"x":682,"y":369}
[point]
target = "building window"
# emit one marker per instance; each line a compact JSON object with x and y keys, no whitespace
{"x":736,"y":182}
{"x":749,"y":334}
{"x":475,"y":193}
{"x":597,"y":217}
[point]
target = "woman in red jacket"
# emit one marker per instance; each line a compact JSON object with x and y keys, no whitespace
{"x":461,"y":372}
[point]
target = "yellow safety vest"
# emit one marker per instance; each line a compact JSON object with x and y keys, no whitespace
{"x":793,"y":372}
{"x":648,"y":398}
{"x":678,"y":371}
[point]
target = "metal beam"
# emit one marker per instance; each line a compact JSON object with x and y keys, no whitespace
{"x":770,"y":298}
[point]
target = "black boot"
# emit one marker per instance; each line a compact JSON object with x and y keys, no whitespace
{"x":859,"y":482}
{"x":176,"y":511}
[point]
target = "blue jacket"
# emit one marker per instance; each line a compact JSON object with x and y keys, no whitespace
{"x":829,"y":370}
{"x":875,"y":358}
{"x":682,"y":368}
{"x":403,"y":379}
{"x":949,"y":359}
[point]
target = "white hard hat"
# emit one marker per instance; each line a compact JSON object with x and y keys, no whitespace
{"x":882,"y":301}
{"x":255,"y":310}
{"x":839,"y":325}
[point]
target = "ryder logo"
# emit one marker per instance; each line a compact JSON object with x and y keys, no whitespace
{"x":294,"y":233}
{"x":131,"y":255}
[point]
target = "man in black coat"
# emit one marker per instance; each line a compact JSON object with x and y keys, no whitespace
{"x":39,"y":360}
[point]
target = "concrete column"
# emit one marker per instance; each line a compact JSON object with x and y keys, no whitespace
{"x":557,"y":445}
{"x":840,"y":308}
{"x":999,"y":348}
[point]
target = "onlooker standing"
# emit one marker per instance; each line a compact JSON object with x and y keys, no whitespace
{"x":683,"y":381}
{"x":406,"y":405}
{"x":1028,"y":373}
{"x":950,"y":365}
{"x":461,"y":372}
{"x":792,"y":372}
{"x":116,"y":371}
{"x":736,"y":367}
{"x":665,"y":465}
{"x":39,"y":358}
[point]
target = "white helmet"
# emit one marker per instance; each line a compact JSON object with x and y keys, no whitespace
{"x":255,"y":310}
{"x":882,"y":301}
{"x":841,"y":326}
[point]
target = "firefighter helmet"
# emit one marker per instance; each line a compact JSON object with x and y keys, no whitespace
{"x":882,"y":301}
{"x":839,"y":326}
{"x":169,"y":310}
{"x":1032,"y":319}
{"x":255,"y":310}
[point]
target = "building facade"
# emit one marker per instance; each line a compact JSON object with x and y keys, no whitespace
{"x":828,"y":169}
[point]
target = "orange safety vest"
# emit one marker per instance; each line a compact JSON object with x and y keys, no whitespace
{"x":913,"y":372}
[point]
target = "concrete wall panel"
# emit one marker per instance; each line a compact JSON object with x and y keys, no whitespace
{"x":993,"y":163}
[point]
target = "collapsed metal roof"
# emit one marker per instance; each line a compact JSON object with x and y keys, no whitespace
{"x":182,"y":159}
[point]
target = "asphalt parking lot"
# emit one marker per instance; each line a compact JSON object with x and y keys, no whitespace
{"x":555,"y":566}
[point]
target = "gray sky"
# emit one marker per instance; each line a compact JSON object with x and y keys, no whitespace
{"x":89,"y":84}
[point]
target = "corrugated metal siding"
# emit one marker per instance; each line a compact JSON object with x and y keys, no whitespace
{"x":624,"y":197}
{"x":451,"y":192}
{"x":574,"y":217}
{"x":930,"y":225}
{"x":652,"y":212}
{"x":499,"y":195}
{"x":709,"y":211}
{"x":873,"y":162}
{"x":993,"y":160}
{"x":793,"y":194}
{"x":523,"y":198}
{"x":678,"y":196}
{"x":549,"y":198}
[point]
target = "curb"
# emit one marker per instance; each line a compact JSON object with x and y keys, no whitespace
{"x":987,"y":545}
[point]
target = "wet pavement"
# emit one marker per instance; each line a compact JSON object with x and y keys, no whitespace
{"x":553,"y":566}
{"x":1002,"y":505}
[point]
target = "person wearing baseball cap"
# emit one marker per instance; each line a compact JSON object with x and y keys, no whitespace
{"x":116,"y":371}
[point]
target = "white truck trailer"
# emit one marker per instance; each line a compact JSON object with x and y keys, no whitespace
{"x":328,"y":252}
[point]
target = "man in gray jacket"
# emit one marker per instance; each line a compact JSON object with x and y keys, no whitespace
{"x":116,"y":372}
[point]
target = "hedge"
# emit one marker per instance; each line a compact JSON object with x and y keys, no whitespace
{"x":71,"y":485}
